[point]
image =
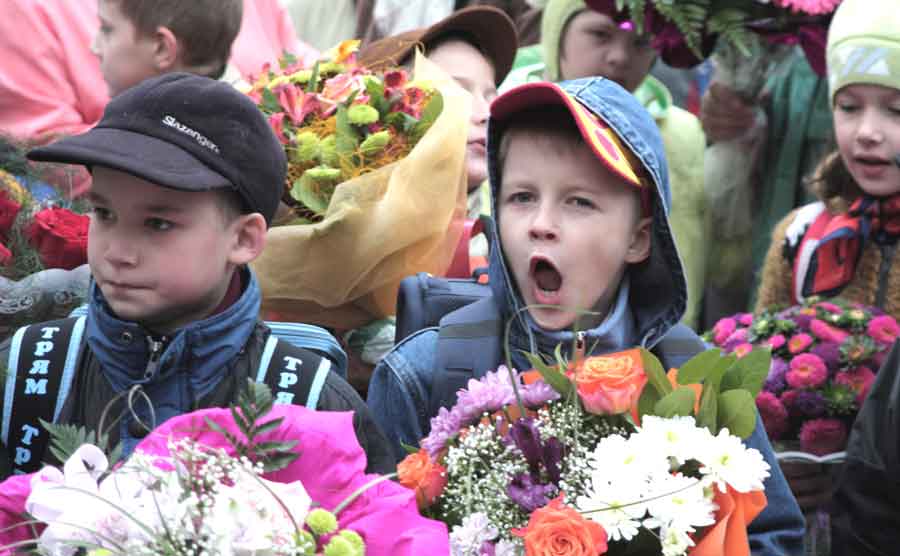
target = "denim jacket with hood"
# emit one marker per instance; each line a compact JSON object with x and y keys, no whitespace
{"x":650,"y":302}
{"x":203,"y":364}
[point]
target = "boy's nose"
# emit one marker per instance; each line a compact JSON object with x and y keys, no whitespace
{"x":121,"y":252}
{"x":543,"y":226}
{"x":870,"y":128}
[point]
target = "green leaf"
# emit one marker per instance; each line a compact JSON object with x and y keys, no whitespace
{"x":647,"y":402}
{"x":270,"y":103}
{"x":287,"y":60}
{"x":66,"y":439}
{"x":656,"y":375}
{"x":346,"y":138}
{"x":678,"y":402}
{"x":737,"y":412}
{"x":273,"y":446}
{"x":375,"y":90}
{"x":314,"y":79}
{"x":429,"y":114}
{"x":708,"y":413}
{"x":551,"y":375}
{"x":699,"y":367}
{"x":314,"y":197}
{"x":267,"y":426}
{"x":749,"y":372}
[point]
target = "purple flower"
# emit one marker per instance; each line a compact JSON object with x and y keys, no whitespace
{"x":527,"y":494}
{"x":537,"y":394}
{"x":444,"y":426}
{"x":804,"y":403}
{"x":829,"y":352}
{"x":527,"y":438}
{"x":823,"y":436}
{"x":803,"y":321}
{"x":777,"y":380}
{"x":490,"y":393}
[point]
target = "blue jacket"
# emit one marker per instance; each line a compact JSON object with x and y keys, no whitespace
{"x":204,"y":364}
{"x":650,"y":302}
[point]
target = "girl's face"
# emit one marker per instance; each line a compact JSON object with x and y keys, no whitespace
{"x":867,"y":128}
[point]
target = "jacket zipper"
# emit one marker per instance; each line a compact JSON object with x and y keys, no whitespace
{"x":884,"y":269}
{"x":156,"y":349}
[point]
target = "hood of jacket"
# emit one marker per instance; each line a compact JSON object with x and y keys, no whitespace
{"x":200,"y":351}
{"x":653,"y":295}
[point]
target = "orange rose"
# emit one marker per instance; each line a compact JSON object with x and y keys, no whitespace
{"x":419,"y":473}
{"x":610,"y":384}
{"x":557,"y":529}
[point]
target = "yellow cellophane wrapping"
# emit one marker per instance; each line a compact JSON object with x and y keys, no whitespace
{"x":401,"y":219}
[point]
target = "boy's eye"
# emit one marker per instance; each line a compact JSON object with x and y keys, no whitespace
{"x":846,"y":106}
{"x":105,"y":29}
{"x":521,"y":197}
{"x":642,"y":42}
{"x":102,"y":214}
{"x":582,"y":202}
{"x":159,"y":225}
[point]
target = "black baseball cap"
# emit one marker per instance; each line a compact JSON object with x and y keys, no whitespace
{"x":185,"y":132}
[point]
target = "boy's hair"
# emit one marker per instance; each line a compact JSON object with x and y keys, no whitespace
{"x":833,"y":184}
{"x":556,"y":123}
{"x":205,"y":28}
{"x":231,"y":205}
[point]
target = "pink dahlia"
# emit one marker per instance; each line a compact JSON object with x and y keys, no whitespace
{"x":739,"y":336}
{"x":830,"y":307}
{"x":884,"y":329}
{"x":859,"y":379}
{"x":799,"y":342}
{"x":807,"y":371}
{"x":745,"y":319}
{"x":811,"y":7}
{"x":723,"y":329}
{"x":776,"y":342}
{"x":823,"y":436}
{"x":773,"y":414}
{"x":826,"y":332}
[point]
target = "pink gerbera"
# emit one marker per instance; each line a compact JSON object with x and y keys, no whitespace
{"x":859,"y":379}
{"x":823,"y":436}
{"x":807,"y":371}
{"x":884,"y":329}
{"x":799,"y":342}
{"x":811,"y":7}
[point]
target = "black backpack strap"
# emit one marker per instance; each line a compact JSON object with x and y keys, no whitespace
{"x":678,"y":346}
{"x":295,"y":375}
{"x":423,"y":300}
{"x":43,"y":359}
{"x":469,"y":341}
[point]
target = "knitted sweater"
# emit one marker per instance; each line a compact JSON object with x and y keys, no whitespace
{"x":876,"y":282}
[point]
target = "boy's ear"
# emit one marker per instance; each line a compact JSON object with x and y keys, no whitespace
{"x":248,"y":232}
{"x":166,"y":49}
{"x":639,"y":249}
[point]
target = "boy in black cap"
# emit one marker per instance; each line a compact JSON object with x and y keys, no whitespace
{"x":187,"y":177}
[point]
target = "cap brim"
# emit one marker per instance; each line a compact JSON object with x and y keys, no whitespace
{"x":596,"y":133}
{"x":134,"y":153}
{"x":494,"y":31}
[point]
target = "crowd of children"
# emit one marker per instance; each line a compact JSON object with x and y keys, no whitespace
{"x":593,"y":177}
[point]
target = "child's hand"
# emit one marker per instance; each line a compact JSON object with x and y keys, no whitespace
{"x":810,"y":483}
{"x":724,"y":114}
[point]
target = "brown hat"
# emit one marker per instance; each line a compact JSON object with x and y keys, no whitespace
{"x":490,"y":27}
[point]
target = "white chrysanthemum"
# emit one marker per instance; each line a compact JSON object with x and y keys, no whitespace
{"x":626,"y":459}
{"x":466,"y":539}
{"x":617,"y":506}
{"x":675,"y":437}
{"x":679,"y":501}
{"x":725,"y":460}
{"x":675,"y":541}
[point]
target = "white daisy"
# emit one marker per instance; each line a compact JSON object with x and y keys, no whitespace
{"x":617,"y":506}
{"x":679,"y":501}
{"x":725,"y":460}
{"x":675,"y":437}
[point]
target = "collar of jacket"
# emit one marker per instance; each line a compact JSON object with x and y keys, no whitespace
{"x":202,"y":349}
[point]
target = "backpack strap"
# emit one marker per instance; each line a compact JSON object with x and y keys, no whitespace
{"x":678,"y":346}
{"x":43,"y":360}
{"x":803,"y":266}
{"x":469,"y":341}
{"x":295,"y":375}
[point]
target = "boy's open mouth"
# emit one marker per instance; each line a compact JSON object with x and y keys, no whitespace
{"x":547,"y":280}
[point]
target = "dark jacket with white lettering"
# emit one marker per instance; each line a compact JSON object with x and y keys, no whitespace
{"x":205,"y":364}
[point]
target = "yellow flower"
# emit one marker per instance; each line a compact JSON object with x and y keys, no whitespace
{"x":343,"y":50}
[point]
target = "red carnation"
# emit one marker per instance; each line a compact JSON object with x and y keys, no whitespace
{"x":9,"y":208}
{"x":60,"y":237}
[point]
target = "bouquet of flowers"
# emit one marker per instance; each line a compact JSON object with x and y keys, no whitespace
{"x":825,"y":354}
{"x":375,"y":184}
{"x":609,"y":455}
{"x":43,"y":251}
{"x":220,"y":482}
